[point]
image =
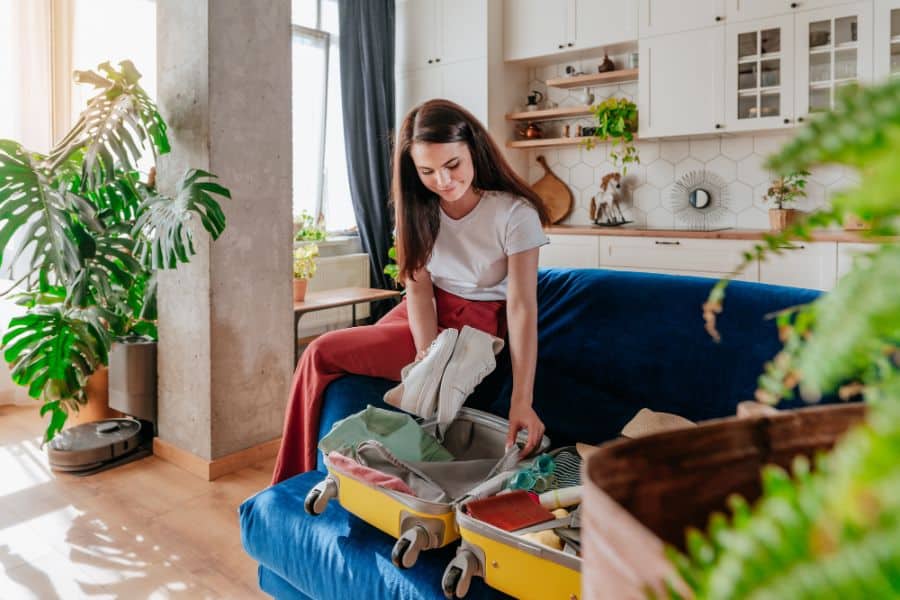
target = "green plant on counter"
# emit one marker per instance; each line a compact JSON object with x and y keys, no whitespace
{"x":616,"y":120}
{"x":308,"y":229}
{"x":787,"y":189}
{"x":305,"y":261}
{"x":833,"y":532}
{"x":91,"y":236}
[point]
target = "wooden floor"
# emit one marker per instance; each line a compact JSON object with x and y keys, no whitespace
{"x":142,"y":530}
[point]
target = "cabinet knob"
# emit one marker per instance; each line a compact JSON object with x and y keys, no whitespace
{"x":800,"y":119}
{"x":719,"y":18}
{"x":795,"y":4}
{"x":718,"y":126}
{"x":430,"y":61}
{"x":562,"y":46}
{"x":786,"y":120}
{"x":570,"y":44}
{"x":437,"y":60}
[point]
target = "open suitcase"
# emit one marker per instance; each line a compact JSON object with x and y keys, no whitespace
{"x":475,"y":438}
{"x":507,"y":562}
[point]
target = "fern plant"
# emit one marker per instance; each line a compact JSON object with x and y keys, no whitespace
{"x":91,"y":236}
{"x":834,"y":532}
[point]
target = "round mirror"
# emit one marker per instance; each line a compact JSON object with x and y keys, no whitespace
{"x":700,"y":198}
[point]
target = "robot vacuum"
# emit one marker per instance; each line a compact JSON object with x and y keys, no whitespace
{"x":92,"y":446}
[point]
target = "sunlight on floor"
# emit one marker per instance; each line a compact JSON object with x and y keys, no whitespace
{"x":143,"y":530}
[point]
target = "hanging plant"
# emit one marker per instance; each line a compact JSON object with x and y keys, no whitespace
{"x":616,"y":120}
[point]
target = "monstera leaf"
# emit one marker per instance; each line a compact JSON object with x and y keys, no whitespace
{"x":52,"y":351}
{"x":43,"y":213}
{"x":114,"y":128}
{"x":162,"y":231}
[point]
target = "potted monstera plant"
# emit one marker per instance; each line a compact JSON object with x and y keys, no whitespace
{"x":91,"y":236}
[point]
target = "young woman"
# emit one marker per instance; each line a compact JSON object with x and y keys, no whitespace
{"x":468,"y":231}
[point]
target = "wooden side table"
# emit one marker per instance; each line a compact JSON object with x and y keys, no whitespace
{"x":334,"y":298}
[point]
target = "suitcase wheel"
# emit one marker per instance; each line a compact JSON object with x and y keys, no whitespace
{"x":407,"y":548}
{"x":318,"y":497}
{"x":458,"y":574}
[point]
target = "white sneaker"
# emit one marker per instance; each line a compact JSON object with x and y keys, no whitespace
{"x":472,"y":360}
{"x":417,"y":394}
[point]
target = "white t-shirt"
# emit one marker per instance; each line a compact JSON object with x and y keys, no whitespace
{"x":470,"y":254}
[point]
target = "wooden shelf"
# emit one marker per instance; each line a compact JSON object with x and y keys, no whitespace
{"x":547,"y":142}
{"x":594,"y":79}
{"x":565,"y":112}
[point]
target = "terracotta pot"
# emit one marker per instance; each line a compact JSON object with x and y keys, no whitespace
{"x":97,"y":407}
{"x":300,"y":286}
{"x":642,"y":493}
{"x":781,"y":218}
{"x":854,"y":223}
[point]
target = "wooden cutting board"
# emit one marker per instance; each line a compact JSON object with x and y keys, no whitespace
{"x":554,"y":192}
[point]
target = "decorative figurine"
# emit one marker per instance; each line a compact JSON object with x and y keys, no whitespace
{"x":608,"y":212}
{"x":607,"y":65}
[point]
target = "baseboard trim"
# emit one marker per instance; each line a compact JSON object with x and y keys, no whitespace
{"x":210,"y":470}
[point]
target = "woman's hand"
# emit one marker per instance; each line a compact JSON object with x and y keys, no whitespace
{"x":522,"y":416}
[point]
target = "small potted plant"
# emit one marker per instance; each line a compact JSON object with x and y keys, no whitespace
{"x":307,"y":229}
{"x":616,"y":123}
{"x":783,"y":191}
{"x":304,"y":268}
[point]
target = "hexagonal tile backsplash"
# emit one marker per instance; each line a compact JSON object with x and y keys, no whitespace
{"x":737,"y":159}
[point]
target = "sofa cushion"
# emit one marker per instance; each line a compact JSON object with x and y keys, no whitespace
{"x":613,"y":342}
{"x":278,"y":587}
{"x":334,"y":555}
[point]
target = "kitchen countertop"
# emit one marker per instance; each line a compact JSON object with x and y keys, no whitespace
{"x":722,"y":234}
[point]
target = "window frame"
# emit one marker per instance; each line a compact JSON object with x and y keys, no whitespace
{"x":325,"y":37}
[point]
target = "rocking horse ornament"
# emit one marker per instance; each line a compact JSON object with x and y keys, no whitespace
{"x":608,"y":212}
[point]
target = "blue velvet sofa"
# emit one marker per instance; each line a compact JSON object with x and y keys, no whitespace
{"x":610,"y":343}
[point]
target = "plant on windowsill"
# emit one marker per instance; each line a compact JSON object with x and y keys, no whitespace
{"x":785,"y":190}
{"x":306,"y":229}
{"x":304,"y":268}
{"x":91,"y":238}
{"x":834,"y":532}
{"x":616,"y":123}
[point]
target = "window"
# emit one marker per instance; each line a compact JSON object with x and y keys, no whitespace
{"x":320,"y":165}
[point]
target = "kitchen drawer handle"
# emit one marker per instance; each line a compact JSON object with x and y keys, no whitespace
{"x":661,"y":243}
{"x":791,"y":246}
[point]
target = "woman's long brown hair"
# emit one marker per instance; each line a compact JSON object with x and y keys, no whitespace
{"x":416,"y":208}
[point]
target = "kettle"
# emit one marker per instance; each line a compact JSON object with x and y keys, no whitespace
{"x":531,"y":132}
{"x":534,"y":99}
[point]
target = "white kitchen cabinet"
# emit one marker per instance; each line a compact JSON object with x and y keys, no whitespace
{"x":605,"y":22}
{"x":846,"y":252}
{"x":659,"y":17}
{"x":833,"y":48}
{"x":886,"y":39}
{"x":533,"y":28}
{"x":415,"y":87}
{"x":806,"y":264}
{"x":432,"y":33}
{"x":462,"y":82}
{"x":744,"y":10}
{"x":681,"y":86}
{"x":538,"y":28}
{"x":575,"y":251}
{"x":676,"y":256}
{"x":759,"y":74}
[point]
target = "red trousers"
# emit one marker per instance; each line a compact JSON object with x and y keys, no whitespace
{"x":378,"y":350}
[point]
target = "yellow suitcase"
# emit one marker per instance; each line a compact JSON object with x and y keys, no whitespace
{"x":509,"y":563}
{"x":417,"y":524}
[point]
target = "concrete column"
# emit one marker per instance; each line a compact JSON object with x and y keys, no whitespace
{"x":226,"y":346}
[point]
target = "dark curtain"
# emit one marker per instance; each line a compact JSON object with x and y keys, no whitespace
{"x":367,"y":92}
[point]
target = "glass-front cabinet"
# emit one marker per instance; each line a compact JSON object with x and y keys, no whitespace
{"x":887,"y":39}
{"x":833,"y":49}
{"x":759,"y":74}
